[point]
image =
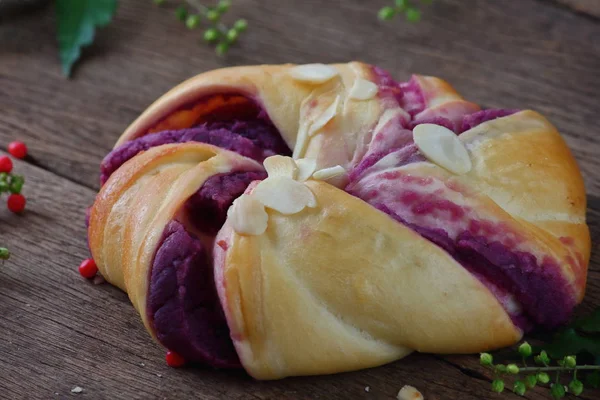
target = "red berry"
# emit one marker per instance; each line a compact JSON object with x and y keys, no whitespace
{"x":88,"y":268}
{"x":16,"y":203}
{"x":174,"y":360}
{"x":6,"y":164}
{"x":17,"y":149}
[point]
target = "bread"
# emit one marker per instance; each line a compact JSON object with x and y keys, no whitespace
{"x":406,"y":220}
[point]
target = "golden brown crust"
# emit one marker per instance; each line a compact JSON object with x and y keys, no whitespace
{"x":343,"y":286}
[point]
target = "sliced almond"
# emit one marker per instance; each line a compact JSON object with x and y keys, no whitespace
{"x":281,"y":166}
{"x":328,"y":173}
{"x":313,"y":73}
{"x":409,"y":393}
{"x":306,"y":167}
{"x":301,"y":141}
{"x":284,"y":195}
{"x":443,"y":147}
{"x":247,"y":216}
{"x":325,"y":117}
{"x":363,"y":90}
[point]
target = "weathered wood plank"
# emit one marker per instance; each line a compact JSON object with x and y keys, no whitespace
{"x":527,"y":54}
{"x":591,"y":7}
{"x":60,"y":331}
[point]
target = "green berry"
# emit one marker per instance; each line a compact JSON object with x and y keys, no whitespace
{"x":576,"y":387}
{"x":542,"y":359}
{"x":222,"y":48}
{"x":486,"y":359}
{"x":223,"y":6}
{"x":498,"y":385}
{"x":557,"y":390}
{"x":500,"y":368}
{"x":543,"y":377}
{"x":413,"y":15}
{"x":525,"y":349}
{"x":210,"y":35}
{"x":386,"y":13}
{"x":570,"y":362}
{"x":240,"y":25}
{"x":213,"y":15}
{"x":530,"y":381}
{"x":16,"y":184}
{"x":4,"y":253}
{"x":519,"y":388}
{"x":181,"y":13}
{"x":512,"y":369}
{"x":4,"y":186}
{"x":232,"y":35}
{"x":401,"y":4}
{"x":192,"y":21}
{"x":3,"y":176}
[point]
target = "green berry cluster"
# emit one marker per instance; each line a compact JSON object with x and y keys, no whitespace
{"x":10,"y":183}
{"x":195,"y":14}
{"x":406,"y":7}
{"x":528,"y":377}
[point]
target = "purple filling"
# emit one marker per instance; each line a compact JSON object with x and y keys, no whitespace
{"x":478,"y":118}
{"x":541,"y":290}
{"x":207,"y":208}
{"x":256,"y":139}
{"x":183,"y":306}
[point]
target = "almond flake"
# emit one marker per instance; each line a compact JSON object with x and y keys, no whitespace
{"x":363,"y":90}
{"x":306,"y":167}
{"x":325,"y":117}
{"x":248,"y":216}
{"x":281,"y":166}
{"x":284,"y":195}
{"x":301,"y":141}
{"x":313,"y":73}
{"x":443,"y":147}
{"x":328,"y":173}
{"x":409,"y":393}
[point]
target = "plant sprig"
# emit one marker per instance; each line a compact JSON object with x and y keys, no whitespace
{"x":407,"y":7}
{"x":194,"y":14}
{"x":527,"y":377}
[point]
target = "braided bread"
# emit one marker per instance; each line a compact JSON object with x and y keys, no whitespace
{"x":313,"y":219}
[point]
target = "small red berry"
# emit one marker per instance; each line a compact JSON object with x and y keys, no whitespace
{"x":174,"y":360}
{"x":17,"y":149}
{"x":6,"y":164}
{"x":88,"y":268}
{"x":16,"y":203}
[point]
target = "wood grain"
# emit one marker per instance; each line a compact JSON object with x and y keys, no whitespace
{"x":526,"y":54}
{"x":58,"y":331}
{"x":591,"y":7}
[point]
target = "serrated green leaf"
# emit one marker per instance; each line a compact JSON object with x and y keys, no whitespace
{"x":569,"y":342}
{"x":77,"y":21}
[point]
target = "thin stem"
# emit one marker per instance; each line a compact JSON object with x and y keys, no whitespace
{"x":548,"y":369}
{"x":524,"y":361}
{"x":201,"y":8}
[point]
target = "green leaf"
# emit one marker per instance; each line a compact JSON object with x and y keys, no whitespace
{"x":591,"y":323}
{"x":569,"y":342}
{"x":77,"y":21}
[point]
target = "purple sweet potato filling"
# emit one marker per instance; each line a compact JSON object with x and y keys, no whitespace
{"x":256,"y":139}
{"x":208,"y":207}
{"x":541,"y":290}
{"x":478,"y":118}
{"x":183,"y":306}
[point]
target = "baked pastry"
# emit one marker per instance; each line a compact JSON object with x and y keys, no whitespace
{"x":394,"y":217}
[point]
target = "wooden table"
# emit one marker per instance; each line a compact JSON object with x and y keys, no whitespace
{"x":58,"y":331}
